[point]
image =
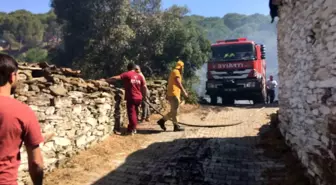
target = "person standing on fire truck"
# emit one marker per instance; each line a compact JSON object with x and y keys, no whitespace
{"x":271,"y":85}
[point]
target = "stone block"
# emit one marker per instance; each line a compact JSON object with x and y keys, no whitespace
{"x":77,"y":110}
{"x":81,"y":141}
{"x":91,"y":121}
{"x":62,"y":102}
{"x":50,"y":111}
{"x":61,"y":141}
{"x":39,"y":100}
{"x":58,"y":90}
{"x":325,"y":110}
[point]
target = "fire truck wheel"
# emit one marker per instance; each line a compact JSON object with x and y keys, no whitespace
{"x":227,"y":101}
{"x":213,"y":100}
{"x":259,"y":100}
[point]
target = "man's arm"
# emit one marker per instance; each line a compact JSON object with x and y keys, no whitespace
{"x":113,"y":79}
{"x":179,"y":84}
{"x":144,"y":87}
{"x":275,"y":83}
{"x":32,"y":139}
{"x":35,"y":163}
{"x":144,"y":92}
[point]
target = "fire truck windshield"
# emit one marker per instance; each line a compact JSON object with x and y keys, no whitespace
{"x":232,"y":52}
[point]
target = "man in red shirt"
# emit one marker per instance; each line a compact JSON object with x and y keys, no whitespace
{"x":18,"y":124}
{"x":135,"y":87}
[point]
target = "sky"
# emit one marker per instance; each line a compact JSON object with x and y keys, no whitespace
{"x":206,"y":8}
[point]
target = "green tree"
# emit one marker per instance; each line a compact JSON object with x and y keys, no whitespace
{"x":2,"y":18}
{"x":244,"y":31}
{"x":10,"y":38}
{"x":52,"y":29}
{"x":214,"y":27}
{"x":24,"y":26}
{"x":135,"y":31}
{"x":94,"y":31}
{"x":233,"y":20}
{"x":34,"y":55}
{"x":255,"y":19}
{"x":146,"y":6}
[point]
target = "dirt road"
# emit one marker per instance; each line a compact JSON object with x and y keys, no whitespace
{"x":205,"y":156}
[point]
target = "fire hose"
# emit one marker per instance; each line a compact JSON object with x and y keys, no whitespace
{"x":192,"y":125}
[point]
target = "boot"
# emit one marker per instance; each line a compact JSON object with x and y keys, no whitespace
{"x":116,"y":132}
{"x":161,"y":122}
{"x":178,"y":128}
{"x":130,"y":133}
{"x":140,"y":121}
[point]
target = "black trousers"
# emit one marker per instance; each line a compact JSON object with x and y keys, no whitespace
{"x":270,"y":95}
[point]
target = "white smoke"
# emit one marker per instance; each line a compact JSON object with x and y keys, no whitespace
{"x":202,"y":75}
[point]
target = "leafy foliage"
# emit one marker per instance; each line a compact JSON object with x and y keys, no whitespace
{"x":232,"y":25}
{"x":101,"y":43}
{"x":34,"y":55}
{"x":22,"y":29}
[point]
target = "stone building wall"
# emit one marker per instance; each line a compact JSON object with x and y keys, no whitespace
{"x":79,"y":113}
{"x":307,"y":90}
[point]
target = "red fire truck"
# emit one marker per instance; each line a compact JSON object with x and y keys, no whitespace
{"x":237,"y":71}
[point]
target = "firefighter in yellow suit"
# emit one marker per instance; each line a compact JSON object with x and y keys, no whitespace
{"x":174,"y":96}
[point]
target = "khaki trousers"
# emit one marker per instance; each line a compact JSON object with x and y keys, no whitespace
{"x":174,"y":107}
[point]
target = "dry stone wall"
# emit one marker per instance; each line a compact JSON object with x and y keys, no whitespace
{"x":307,"y":90}
{"x":79,"y":113}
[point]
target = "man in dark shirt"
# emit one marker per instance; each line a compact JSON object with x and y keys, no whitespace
{"x":135,"y":87}
{"x":145,"y":107}
{"x":18,"y":124}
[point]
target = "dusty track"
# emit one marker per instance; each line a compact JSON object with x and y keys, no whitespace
{"x":197,"y":156}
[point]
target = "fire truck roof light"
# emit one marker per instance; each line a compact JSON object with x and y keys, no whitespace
{"x":232,"y":40}
{"x":219,"y":41}
{"x":242,"y":39}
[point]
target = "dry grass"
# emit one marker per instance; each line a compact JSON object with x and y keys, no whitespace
{"x":97,"y":160}
{"x":102,"y":157}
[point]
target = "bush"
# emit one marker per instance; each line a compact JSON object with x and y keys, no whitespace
{"x":188,"y":85}
{"x":193,"y":97}
{"x":34,"y":55}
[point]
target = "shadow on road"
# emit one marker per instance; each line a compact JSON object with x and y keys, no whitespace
{"x":263,"y":159}
{"x":148,"y":131}
{"x":246,"y":106}
{"x":243,"y":104}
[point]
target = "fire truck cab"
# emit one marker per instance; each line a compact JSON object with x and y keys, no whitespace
{"x":237,"y":71}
